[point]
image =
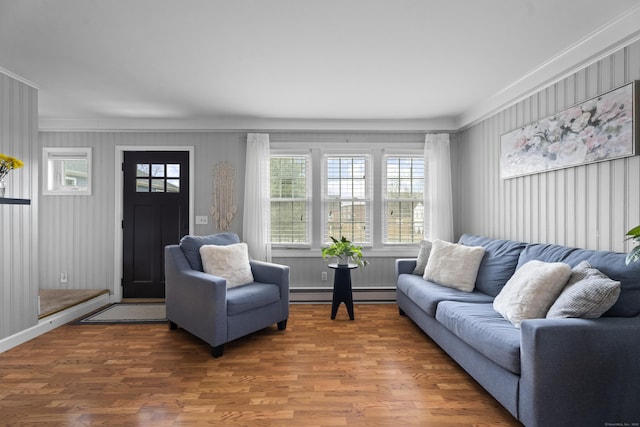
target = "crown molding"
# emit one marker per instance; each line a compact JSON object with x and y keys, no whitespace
{"x":445,"y":124}
{"x":18,"y":78}
{"x":601,"y":43}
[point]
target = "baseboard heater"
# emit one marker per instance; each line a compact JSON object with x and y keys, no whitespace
{"x":325,"y":295}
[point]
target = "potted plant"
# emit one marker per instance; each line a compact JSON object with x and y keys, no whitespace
{"x":634,"y":254}
{"x":345,"y":252}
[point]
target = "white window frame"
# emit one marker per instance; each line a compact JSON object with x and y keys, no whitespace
{"x":386,"y":200}
{"x":367,"y":200}
{"x":308,"y":200}
{"x":53,"y":181}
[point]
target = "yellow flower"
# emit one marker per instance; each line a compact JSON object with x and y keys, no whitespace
{"x":8,"y":163}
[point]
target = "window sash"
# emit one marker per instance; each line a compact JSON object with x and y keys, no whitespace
{"x":403,"y":199}
{"x":346,"y":198}
{"x":290,"y":200}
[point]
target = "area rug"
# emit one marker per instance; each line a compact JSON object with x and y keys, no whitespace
{"x":128,"y":313}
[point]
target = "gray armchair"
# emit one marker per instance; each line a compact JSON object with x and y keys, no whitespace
{"x":201,"y":304}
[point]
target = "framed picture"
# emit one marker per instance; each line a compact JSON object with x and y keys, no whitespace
{"x":599,"y":129}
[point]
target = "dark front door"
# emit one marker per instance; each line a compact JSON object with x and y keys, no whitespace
{"x":156,"y":214}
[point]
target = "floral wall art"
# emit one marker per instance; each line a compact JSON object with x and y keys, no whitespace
{"x":601,"y":128}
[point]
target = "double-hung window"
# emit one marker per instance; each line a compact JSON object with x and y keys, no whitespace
{"x":346,"y":198}
{"x":290,"y":200}
{"x":403,"y":199}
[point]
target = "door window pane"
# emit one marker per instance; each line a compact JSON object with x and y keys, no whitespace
{"x":142,"y":185}
{"x":142,"y":169}
{"x":157,"y":170}
{"x":173,"y":185}
{"x":157,"y":185}
{"x":173,"y":171}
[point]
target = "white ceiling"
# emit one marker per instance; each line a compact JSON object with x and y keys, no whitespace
{"x":307,"y":64}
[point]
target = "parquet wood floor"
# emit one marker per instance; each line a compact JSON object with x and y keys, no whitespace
{"x":379,"y":370}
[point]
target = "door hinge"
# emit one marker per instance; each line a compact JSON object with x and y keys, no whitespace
{"x":122,"y":166}
{"x":122,"y":224}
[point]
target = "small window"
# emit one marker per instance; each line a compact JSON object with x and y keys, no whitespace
{"x":66,"y":171}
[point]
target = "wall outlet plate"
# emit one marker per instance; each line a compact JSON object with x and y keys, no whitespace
{"x":202,"y":220}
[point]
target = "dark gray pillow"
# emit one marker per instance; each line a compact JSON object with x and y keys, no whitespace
{"x":191,"y":246}
{"x":423,"y":257}
{"x":588,"y":294}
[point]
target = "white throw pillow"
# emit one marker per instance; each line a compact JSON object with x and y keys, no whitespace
{"x":453,"y":265}
{"x":230,"y":262}
{"x":423,"y":257}
{"x":589,"y":294}
{"x":531,"y":290}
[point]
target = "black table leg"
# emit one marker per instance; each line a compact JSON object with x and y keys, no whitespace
{"x":342,"y":292}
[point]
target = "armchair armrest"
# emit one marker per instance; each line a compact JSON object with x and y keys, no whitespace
{"x":579,"y":371}
{"x":268,"y":272}
{"x":405,"y":265}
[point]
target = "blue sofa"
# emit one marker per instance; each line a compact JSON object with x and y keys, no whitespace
{"x":550,"y":372}
{"x":203,"y":305}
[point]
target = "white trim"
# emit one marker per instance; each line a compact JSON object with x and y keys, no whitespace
{"x":246,"y":125}
{"x":18,"y":78}
{"x":602,"y":42}
{"x":56,"y":320}
{"x":118,"y":215}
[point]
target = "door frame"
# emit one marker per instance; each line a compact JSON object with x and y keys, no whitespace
{"x":119,"y":207}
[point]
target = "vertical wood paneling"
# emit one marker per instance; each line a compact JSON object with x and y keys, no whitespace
{"x":589,"y":206}
{"x":77,"y":232}
{"x":18,"y":223}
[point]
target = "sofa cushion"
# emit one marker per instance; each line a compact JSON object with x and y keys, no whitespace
{"x":610,"y":263}
{"x":423,"y":257}
{"x":251,"y":296}
{"x":588,"y":294}
{"x":427,"y":294}
{"x":531,"y":291}
{"x":498,"y":264}
{"x":191,"y":246}
{"x":228,"y":261}
{"x":453,"y":265}
{"x":482,"y":328}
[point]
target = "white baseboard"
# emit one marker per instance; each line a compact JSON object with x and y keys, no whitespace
{"x":55,"y":320}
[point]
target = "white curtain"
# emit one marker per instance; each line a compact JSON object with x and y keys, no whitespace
{"x":438,"y":199}
{"x":256,"y":222}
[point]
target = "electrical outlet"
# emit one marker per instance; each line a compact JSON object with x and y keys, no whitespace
{"x":324,"y":276}
{"x":63,"y":277}
{"x":202,"y":220}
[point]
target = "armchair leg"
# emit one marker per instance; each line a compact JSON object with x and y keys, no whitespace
{"x":172,"y":326}
{"x":282,"y":325}
{"x":401,"y":311}
{"x":217,"y":351}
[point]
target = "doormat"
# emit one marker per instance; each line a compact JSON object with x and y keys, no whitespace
{"x":128,"y":313}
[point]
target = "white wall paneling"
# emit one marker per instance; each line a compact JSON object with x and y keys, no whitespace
{"x":18,"y":223}
{"x":589,"y":206}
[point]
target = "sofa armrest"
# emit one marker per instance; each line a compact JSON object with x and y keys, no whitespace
{"x":405,"y":265}
{"x":579,"y":371}
{"x":195,"y":300}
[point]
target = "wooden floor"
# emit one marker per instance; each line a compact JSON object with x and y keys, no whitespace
{"x":379,"y":370}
